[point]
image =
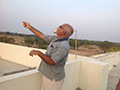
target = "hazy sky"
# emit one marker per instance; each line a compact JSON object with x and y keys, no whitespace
{"x":93,"y":19}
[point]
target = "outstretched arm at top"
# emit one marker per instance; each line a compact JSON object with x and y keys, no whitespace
{"x":35,"y":31}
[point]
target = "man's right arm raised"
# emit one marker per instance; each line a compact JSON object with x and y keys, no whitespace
{"x":36,"y":32}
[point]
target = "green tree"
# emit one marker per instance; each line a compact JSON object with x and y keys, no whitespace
{"x":8,"y":33}
{"x":72,"y":42}
{"x":105,"y":45}
{"x":7,"y":40}
{"x":30,"y":40}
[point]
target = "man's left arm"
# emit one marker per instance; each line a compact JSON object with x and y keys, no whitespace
{"x":45,"y":58}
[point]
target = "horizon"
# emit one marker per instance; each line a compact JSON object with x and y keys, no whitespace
{"x":69,"y":38}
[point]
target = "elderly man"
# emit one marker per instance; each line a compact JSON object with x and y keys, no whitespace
{"x":53,"y":61}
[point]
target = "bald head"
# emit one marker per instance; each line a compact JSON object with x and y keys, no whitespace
{"x":69,"y":29}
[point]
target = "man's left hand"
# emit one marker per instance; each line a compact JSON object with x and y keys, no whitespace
{"x":33,"y":52}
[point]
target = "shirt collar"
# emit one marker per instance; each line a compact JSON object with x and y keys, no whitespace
{"x":62,"y":39}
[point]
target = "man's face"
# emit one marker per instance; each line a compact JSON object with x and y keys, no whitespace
{"x":64,"y":30}
{"x":60,"y":30}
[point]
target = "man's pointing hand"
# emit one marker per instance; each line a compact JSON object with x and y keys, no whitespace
{"x":26,"y":25}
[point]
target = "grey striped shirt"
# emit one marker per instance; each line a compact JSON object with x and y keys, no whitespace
{"x":58,"y":51}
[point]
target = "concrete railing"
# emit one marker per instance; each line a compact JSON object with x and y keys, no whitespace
{"x":20,"y":54}
{"x":85,"y":73}
{"x":93,"y":74}
{"x":113,"y":58}
{"x":29,"y":80}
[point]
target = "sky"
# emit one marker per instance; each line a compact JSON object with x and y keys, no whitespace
{"x":97,"y":20}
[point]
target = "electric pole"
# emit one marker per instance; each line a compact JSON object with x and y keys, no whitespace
{"x":75,"y":44}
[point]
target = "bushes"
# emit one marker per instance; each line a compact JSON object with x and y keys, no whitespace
{"x":114,"y":49}
{"x":43,"y":46}
{"x":33,"y":41}
{"x":106,"y":46}
{"x":7,"y":40}
{"x":84,"y":43}
{"x":30,"y":40}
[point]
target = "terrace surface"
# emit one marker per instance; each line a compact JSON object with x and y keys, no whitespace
{"x":114,"y":76}
{"x":7,"y":67}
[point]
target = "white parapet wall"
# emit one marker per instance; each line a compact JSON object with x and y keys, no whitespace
{"x":93,"y":74}
{"x":113,"y":58}
{"x":85,"y":73}
{"x":20,"y":54}
{"x":29,"y":80}
{"x":72,"y":70}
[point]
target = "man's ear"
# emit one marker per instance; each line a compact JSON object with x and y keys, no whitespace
{"x":64,"y":32}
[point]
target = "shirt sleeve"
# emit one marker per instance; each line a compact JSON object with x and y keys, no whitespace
{"x":47,"y":38}
{"x":59,"y":54}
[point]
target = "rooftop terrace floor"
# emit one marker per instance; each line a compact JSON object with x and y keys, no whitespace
{"x":113,"y":78}
{"x":7,"y":67}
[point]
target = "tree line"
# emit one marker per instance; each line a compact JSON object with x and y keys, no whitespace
{"x":34,"y":41}
{"x":106,"y":46}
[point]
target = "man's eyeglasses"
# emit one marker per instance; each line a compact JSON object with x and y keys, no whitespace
{"x":62,"y":28}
